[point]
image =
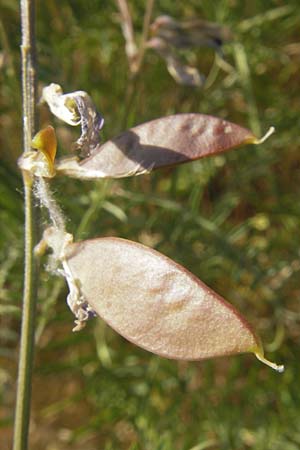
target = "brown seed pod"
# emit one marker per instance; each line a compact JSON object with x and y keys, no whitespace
{"x":156,"y":303}
{"x":159,"y":143}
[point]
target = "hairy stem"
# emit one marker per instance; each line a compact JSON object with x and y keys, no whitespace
{"x":22,"y":413}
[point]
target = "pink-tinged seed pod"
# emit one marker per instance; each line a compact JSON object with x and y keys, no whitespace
{"x":163,"y":142}
{"x":156,"y":303}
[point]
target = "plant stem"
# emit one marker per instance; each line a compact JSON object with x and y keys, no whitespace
{"x":139,"y":55}
{"x":127,"y":28}
{"x":146,"y":25}
{"x":23,"y":397}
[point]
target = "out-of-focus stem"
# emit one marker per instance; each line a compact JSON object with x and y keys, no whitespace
{"x":135,"y":54}
{"x":146,"y":25}
{"x":127,"y":28}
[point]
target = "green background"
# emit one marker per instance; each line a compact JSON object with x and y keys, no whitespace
{"x":232,"y":220}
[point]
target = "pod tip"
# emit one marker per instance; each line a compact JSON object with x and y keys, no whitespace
{"x":278,"y":368}
{"x":270,"y":131}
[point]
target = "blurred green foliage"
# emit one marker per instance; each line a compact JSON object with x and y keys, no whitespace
{"x":233,"y":220}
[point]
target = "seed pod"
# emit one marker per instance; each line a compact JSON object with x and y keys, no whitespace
{"x":154,"y":302}
{"x":163,"y":142}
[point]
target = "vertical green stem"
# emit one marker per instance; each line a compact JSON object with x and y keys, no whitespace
{"x":22,"y":413}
